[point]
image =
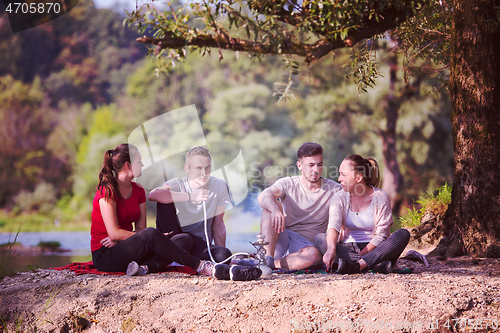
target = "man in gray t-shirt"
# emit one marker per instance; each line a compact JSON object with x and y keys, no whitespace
{"x":186,"y":219}
{"x":295,"y":210}
{"x":191,"y":215}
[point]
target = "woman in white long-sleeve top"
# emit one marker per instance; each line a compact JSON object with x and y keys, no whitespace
{"x":360,"y":221}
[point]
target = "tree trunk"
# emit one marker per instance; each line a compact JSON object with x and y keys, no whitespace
{"x":472,"y":219}
{"x":393,"y":182}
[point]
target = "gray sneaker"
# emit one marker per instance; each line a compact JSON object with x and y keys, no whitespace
{"x":134,"y":269}
{"x":206,"y":268}
{"x":246,"y":262}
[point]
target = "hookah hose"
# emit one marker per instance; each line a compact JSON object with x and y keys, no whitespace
{"x":208,"y":240}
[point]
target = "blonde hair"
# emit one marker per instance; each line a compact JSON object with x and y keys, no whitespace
{"x":368,"y":167}
{"x":198,"y":150}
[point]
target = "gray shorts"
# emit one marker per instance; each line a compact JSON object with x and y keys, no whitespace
{"x":290,"y":242}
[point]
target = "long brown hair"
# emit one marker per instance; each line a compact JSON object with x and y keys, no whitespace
{"x":368,"y":167}
{"x":114,"y":160}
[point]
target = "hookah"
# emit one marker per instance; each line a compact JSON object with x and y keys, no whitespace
{"x":259,"y":245}
{"x":261,"y":254}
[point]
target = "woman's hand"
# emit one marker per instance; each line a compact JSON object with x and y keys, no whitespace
{"x":329,"y":258}
{"x":107,"y":242}
{"x":332,"y":237}
{"x":369,"y":247}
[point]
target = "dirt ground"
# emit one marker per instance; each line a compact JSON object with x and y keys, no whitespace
{"x":456,"y":295}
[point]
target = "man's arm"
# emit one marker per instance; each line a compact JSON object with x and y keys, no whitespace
{"x":268,"y":201}
{"x":165,"y":195}
{"x":218,"y":227}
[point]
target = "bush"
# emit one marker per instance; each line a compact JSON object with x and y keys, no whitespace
{"x":42,"y":199}
{"x":52,"y":245}
{"x":435,"y":204}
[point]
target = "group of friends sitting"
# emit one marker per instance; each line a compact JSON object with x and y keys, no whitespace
{"x":308,"y":221}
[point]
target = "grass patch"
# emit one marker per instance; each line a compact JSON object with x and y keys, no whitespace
{"x":7,"y":257}
{"x":128,"y":325}
{"x":434,"y":202}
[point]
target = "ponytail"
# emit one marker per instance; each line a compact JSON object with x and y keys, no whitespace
{"x":368,"y":167}
{"x":114,"y":160}
{"x":373,"y":178}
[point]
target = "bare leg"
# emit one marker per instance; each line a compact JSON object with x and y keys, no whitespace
{"x":307,"y":257}
{"x":267,"y":229}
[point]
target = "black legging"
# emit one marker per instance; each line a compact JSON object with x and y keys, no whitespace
{"x":390,"y":249}
{"x":147,"y":247}
{"x":167,"y":221}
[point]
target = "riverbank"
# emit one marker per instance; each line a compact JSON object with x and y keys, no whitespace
{"x":12,"y":223}
{"x":460,"y":291}
{"x":39,"y":250}
{"x":34,"y":222}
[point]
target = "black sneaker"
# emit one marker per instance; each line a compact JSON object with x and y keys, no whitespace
{"x":384,"y":267}
{"x":221,"y":272}
{"x":244,"y":273}
{"x":236,"y":273}
{"x":347,"y":267}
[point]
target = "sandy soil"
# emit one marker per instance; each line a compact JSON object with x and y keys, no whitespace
{"x":459,"y":294}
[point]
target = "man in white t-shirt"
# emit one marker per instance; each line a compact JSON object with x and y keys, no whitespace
{"x":295,"y":210}
{"x":185,"y":219}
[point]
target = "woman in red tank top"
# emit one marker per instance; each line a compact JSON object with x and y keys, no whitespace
{"x":120,"y":240}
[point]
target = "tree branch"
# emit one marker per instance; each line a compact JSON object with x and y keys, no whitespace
{"x":388,"y":19}
{"x":311,"y":52}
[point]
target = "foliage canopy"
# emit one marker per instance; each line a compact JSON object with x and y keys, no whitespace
{"x":309,"y":29}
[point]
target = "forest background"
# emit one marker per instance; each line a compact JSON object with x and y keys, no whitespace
{"x":74,"y":87}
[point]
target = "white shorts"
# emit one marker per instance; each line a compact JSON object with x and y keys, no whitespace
{"x":290,"y":242}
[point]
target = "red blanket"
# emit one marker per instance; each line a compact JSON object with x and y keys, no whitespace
{"x":88,"y":268}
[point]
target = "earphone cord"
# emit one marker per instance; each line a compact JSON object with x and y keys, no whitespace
{"x":208,"y":240}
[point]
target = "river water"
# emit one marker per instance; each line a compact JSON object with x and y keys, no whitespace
{"x":78,"y":246}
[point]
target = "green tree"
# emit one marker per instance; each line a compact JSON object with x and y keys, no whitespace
{"x":312,"y":29}
{"x":68,"y":132}
{"x":247,"y":116}
{"x":82,"y":57}
{"x":105,"y":132}
{"x":25,"y":124}
{"x":333,"y":112}
{"x":235,"y":98}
